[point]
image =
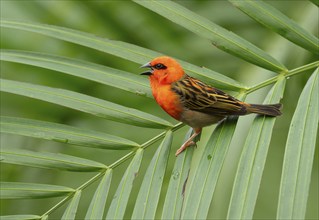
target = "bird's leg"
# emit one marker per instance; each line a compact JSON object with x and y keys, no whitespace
{"x":189,"y":141}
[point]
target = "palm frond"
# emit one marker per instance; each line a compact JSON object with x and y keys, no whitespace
{"x":159,"y":185}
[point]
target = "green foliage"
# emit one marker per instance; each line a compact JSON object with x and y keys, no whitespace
{"x":67,"y":58}
{"x":300,"y":147}
{"x":63,"y":133}
{"x":148,"y":196}
{"x":252,"y":160}
{"x":97,"y":205}
{"x":102,"y":74}
{"x":278,"y":22}
{"x":12,"y":190}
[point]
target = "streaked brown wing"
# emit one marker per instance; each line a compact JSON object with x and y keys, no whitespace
{"x":197,"y":96}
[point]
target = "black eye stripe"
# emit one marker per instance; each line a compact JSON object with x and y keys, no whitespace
{"x":159,"y":66}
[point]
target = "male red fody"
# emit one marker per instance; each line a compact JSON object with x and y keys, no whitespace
{"x":193,"y":102}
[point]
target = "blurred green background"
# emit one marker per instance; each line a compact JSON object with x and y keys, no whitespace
{"x":129,"y":22}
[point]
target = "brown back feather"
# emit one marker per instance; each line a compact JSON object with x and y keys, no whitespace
{"x":197,"y":96}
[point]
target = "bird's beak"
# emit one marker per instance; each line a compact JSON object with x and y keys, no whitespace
{"x":149,"y":72}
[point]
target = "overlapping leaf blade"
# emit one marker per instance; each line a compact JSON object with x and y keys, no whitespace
{"x":117,"y":48}
{"x":120,"y":199}
{"x":223,"y":39}
{"x":278,"y":22}
{"x":91,"y":71}
{"x":70,"y":212}
{"x":252,"y":161}
{"x":17,"y":190}
{"x":48,"y":160}
{"x":121,"y":49}
{"x":84,"y":103}
{"x":63,"y":133}
{"x":148,"y":196}
{"x":177,"y":184}
{"x":97,"y":205}
{"x":299,"y":154}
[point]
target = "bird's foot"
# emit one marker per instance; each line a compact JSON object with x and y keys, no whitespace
{"x":184,"y":146}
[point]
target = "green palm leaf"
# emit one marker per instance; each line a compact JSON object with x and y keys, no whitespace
{"x":147,"y":200}
{"x":96,"y":208}
{"x":275,"y":20}
{"x":252,"y":161}
{"x":177,"y":184}
{"x":49,"y":160}
{"x":299,"y":154}
{"x":121,"y":197}
{"x":16,"y":190}
{"x":71,"y":210}
{"x":63,"y":133}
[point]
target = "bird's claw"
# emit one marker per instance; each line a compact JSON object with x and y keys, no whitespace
{"x":184,"y":146}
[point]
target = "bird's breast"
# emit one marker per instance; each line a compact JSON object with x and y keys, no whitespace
{"x":168,"y":100}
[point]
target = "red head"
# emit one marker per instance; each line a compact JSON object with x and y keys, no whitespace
{"x":164,"y":70}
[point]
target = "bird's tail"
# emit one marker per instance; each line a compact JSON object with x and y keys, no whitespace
{"x":270,"y":110}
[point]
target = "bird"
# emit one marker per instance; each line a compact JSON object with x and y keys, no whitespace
{"x":192,"y":101}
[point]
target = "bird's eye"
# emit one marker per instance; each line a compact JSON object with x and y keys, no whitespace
{"x":159,"y":66}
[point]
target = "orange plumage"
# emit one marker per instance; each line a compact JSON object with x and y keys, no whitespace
{"x":193,"y":102}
